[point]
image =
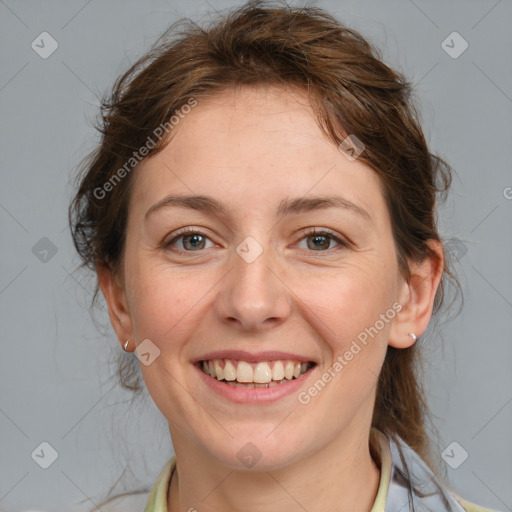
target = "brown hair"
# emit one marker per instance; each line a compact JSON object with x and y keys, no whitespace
{"x":351,"y":91}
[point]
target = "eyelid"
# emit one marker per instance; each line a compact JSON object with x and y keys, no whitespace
{"x":189,"y":230}
{"x":340,"y":240}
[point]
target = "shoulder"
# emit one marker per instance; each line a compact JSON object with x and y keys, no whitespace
{"x":408,"y":479}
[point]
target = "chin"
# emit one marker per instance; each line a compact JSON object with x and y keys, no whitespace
{"x":250,"y":450}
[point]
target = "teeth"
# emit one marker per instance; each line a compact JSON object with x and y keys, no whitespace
{"x":218,"y":370}
{"x":240,"y":385}
{"x":259,"y":375}
{"x":262,"y":373}
{"x":229,"y":371}
{"x":278,"y":371}
{"x":244,"y":372}
{"x":288,"y":370}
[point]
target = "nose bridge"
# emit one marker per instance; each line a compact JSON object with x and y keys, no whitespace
{"x":252,"y":295}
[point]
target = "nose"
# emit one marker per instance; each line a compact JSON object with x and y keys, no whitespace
{"x":253,"y":296}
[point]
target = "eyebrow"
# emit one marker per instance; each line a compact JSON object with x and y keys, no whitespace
{"x":210,"y":205}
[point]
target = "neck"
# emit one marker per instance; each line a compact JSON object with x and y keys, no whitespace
{"x":342,"y":476}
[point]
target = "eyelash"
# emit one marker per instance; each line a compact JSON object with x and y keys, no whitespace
{"x":308,"y":233}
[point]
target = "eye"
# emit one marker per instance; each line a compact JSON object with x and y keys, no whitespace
{"x":321,"y":239}
{"x":192,"y":240}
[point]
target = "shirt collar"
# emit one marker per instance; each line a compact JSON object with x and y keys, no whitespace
{"x":413,"y":485}
{"x":404,"y":480}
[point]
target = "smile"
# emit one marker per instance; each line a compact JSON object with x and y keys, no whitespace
{"x":263,"y":374}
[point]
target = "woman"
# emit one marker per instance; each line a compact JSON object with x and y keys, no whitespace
{"x":261,"y":217}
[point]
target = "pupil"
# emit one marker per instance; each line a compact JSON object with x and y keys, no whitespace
{"x":194,"y":237}
{"x":317,"y":238}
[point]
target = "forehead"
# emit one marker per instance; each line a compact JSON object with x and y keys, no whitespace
{"x":254,"y":144}
{"x":239,"y":125}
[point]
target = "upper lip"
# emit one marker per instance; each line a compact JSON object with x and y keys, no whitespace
{"x":250,"y":357}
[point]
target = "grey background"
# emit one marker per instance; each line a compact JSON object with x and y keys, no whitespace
{"x":56,"y":369}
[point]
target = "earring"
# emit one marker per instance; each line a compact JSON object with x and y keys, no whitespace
{"x":125,"y":346}
{"x":413,"y":336}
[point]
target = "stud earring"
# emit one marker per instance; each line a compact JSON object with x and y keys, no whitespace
{"x":125,"y":346}
{"x":413,"y":336}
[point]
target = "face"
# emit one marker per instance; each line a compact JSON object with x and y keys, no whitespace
{"x":249,"y":280}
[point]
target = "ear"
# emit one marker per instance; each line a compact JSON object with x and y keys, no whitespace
{"x":114,"y":293}
{"x":416,"y":297}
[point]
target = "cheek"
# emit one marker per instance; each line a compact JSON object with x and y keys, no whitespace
{"x":161,"y":302}
{"x":352,"y":312}
{"x":347,"y":301}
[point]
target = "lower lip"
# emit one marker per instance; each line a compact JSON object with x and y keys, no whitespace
{"x":254,"y":395}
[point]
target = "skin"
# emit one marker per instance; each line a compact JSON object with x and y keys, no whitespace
{"x":251,"y":149}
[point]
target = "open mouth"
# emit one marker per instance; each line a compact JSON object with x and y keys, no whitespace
{"x":264,"y":374}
